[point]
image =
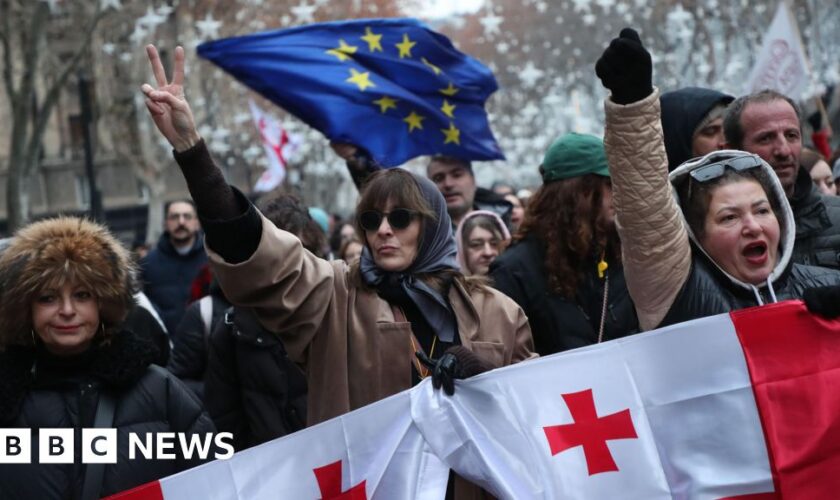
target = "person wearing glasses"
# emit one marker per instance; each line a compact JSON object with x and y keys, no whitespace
{"x":718,"y":237}
{"x":357,"y":330}
{"x":169,"y":269}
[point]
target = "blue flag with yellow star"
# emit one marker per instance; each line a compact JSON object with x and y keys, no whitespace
{"x":392,"y":86}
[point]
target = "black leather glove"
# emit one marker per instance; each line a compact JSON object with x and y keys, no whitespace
{"x":815,"y":119}
{"x":625,"y":68}
{"x":823,"y":300}
{"x":457,"y":362}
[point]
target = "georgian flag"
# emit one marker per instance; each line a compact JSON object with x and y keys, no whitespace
{"x":278,"y":146}
{"x":743,"y":405}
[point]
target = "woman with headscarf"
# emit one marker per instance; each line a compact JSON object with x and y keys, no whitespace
{"x":355,"y":328}
{"x":481,"y":237}
{"x":68,"y":362}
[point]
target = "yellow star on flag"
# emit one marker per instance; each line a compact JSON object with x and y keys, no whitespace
{"x":449,"y":91}
{"x":431,"y":66}
{"x":448,"y":109}
{"x":405,"y":46}
{"x":360,"y":79}
{"x":386,"y":103}
{"x":452,"y":134}
{"x":414,"y":121}
{"x":373,"y":40}
{"x":343,"y":51}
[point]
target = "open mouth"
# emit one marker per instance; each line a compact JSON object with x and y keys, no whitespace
{"x":756,"y":253}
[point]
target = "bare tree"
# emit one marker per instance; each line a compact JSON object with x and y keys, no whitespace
{"x":25,"y":27}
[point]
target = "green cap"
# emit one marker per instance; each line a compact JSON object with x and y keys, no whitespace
{"x":573,"y":155}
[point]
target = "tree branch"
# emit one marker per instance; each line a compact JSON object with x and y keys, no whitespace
{"x":5,"y":34}
{"x":54,"y":92}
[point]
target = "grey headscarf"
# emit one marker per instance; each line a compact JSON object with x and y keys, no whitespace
{"x":437,"y":252}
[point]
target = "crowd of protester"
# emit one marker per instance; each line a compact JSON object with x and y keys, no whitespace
{"x":271,"y":316}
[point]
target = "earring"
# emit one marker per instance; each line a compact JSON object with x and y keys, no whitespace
{"x":33,"y":337}
{"x":102,"y":324}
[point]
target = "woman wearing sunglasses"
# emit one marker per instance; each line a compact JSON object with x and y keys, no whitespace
{"x":717,"y":237}
{"x":355,"y":329}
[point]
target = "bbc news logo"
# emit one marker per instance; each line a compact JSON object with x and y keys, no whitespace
{"x":99,"y":446}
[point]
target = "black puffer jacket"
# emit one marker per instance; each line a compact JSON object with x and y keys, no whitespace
{"x":817,"y":224}
{"x":38,"y":390}
{"x":557,"y":323}
{"x":167,"y":276}
{"x":252,"y":388}
{"x":188,"y":360}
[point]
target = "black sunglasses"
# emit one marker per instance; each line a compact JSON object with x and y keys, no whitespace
{"x":398,"y":218}
{"x":717,"y":169}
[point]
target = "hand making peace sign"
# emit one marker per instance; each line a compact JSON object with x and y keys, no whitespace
{"x":167,"y":104}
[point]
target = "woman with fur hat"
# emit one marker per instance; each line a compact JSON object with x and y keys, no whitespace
{"x":66,"y":286}
{"x":718,"y":237}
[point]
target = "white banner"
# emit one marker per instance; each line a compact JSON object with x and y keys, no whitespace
{"x":782,"y":64}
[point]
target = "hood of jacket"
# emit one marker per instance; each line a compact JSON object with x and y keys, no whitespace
{"x":682,"y":111}
{"x":787,"y":226}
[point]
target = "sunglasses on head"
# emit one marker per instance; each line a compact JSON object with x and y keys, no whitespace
{"x":398,"y":218}
{"x":714,"y":170}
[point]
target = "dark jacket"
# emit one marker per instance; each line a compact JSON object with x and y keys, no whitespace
{"x":141,"y":322}
{"x":817,"y":224}
{"x":253,"y":389}
{"x":708,"y":291}
{"x":558,"y":324}
{"x":188,"y":360}
{"x":682,"y":112}
{"x":38,"y":390}
{"x":167,"y":276}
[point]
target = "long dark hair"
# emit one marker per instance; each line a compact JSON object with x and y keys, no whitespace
{"x":565,"y":215}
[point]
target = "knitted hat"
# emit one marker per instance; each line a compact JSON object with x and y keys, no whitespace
{"x":573,"y":155}
{"x":52,"y":252}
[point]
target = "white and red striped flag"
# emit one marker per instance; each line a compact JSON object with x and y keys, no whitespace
{"x":278,"y":145}
{"x":742,"y":405}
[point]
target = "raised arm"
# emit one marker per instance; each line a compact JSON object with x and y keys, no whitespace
{"x":232,"y":226}
{"x":173,"y":117}
{"x":655,"y":249}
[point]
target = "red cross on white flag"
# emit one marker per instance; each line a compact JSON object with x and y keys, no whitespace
{"x":278,"y":146}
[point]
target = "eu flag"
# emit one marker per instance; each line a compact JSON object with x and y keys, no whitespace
{"x":392,"y":86}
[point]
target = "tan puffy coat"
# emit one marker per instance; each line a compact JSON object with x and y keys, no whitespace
{"x":655,"y":247}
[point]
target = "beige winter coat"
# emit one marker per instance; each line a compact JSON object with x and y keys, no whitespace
{"x":347,"y":339}
{"x":655,"y":247}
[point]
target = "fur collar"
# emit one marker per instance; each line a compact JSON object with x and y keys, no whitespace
{"x":116,"y":366}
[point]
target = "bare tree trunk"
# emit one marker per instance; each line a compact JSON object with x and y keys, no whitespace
{"x":29,"y":118}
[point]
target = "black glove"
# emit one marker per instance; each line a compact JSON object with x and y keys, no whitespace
{"x":823,"y":300}
{"x":457,"y":362}
{"x":625,"y":68}
{"x":815,"y":119}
